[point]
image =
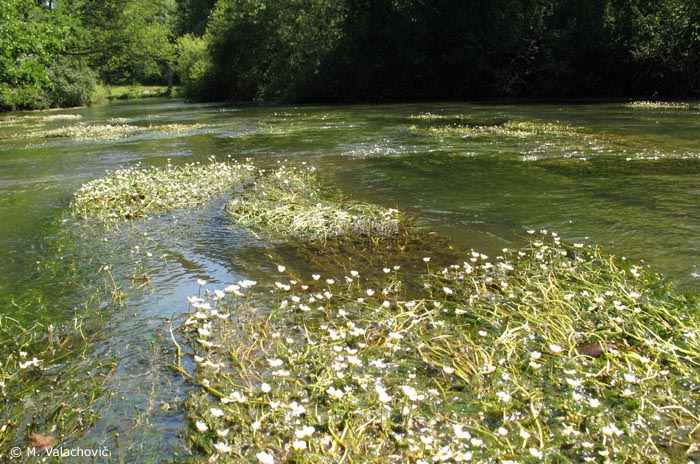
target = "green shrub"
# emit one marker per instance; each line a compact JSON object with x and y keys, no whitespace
{"x":72,"y":83}
{"x":193,"y":65}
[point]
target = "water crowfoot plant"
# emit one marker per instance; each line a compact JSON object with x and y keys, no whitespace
{"x":290,"y":201}
{"x":137,"y":192}
{"x":658,"y":105}
{"x":49,"y":389}
{"x":488,"y":365}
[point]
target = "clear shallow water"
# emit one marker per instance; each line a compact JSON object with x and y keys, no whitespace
{"x":628,"y":179}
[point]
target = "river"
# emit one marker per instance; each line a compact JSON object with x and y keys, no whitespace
{"x":625,"y":177}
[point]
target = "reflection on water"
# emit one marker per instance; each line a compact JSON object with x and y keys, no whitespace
{"x":625,"y":178}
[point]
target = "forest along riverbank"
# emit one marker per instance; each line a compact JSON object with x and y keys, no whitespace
{"x":621,"y":175}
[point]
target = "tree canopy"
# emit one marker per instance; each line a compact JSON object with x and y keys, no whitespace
{"x":451,"y":49}
{"x":349,"y":50}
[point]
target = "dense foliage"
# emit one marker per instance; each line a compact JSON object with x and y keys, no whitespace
{"x":348,"y":50}
{"x":30,"y":42}
{"x":413,"y":49}
{"x":58,"y":49}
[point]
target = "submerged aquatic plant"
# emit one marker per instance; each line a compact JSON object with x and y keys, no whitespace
{"x":116,"y":129}
{"x":658,"y":105}
{"x":553,"y":352}
{"x":49,"y":388}
{"x":175,"y":129}
{"x":137,"y":192}
{"x":290,"y":201}
{"x":517,"y":129}
{"x":90,"y":131}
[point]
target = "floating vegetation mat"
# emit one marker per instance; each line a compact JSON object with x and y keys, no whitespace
{"x":518,"y":129}
{"x":554,"y":353}
{"x":531,"y":140}
{"x":90,"y":132}
{"x":117,"y":129}
{"x":176,"y":129}
{"x":137,"y":192}
{"x":290,"y":201}
{"x":658,"y":104}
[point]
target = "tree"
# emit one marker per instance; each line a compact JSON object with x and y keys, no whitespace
{"x":31,"y":42}
{"x":129,"y":40}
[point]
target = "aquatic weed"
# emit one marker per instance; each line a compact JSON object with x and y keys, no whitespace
{"x":137,"y":192}
{"x":291,"y":202}
{"x":50,"y":388}
{"x":657,"y":105}
{"x":552,"y":352}
{"x":89,"y":131}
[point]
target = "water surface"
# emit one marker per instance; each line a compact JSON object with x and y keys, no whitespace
{"x":626,"y":178}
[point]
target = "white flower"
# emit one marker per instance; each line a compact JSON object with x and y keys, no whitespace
{"x":201,"y":426}
{"x":426,"y":259}
{"x":216,"y":412}
{"x":460,"y":433}
{"x":281,"y":268}
{"x":384,"y":397}
{"x":247,"y":283}
{"x":265,"y":458}
{"x":524,"y":434}
{"x":305,"y":431}
{"x":201,"y":282}
{"x":574,"y":382}
{"x":34,"y":362}
{"x":447,"y":290}
{"x":315,"y":276}
{"x":447,"y":369}
{"x":204,"y":331}
{"x":411,"y":393}
{"x":535,"y":453}
{"x":335,"y":393}
{"x":611,"y":430}
{"x":297,"y":409}
{"x":222,"y":447}
{"x":299,"y":445}
{"x":275,"y":362}
{"x":265,"y":387}
{"x":555,"y":348}
{"x":369,"y":292}
{"x":594,"y":402}
{"x":502,"y":431}
{"x":503,"y":396}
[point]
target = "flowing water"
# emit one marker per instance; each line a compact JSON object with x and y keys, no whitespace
{"x":623,"y":177}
